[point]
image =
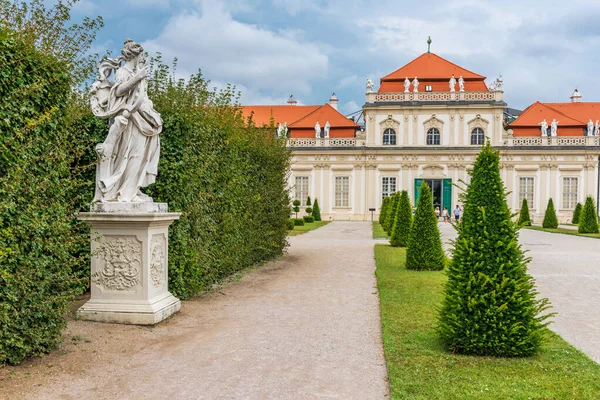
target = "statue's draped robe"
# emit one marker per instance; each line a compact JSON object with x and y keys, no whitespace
{"x":130,"y":153}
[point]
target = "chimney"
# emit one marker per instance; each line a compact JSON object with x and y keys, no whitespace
{"x":576,"y":97}
{"x":333,"y":101}
{"x":292,"y":101}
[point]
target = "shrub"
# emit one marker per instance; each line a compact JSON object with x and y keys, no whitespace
{"x":308,"y":210}
{"x":308,"y":219}
{"x":424,"y":243}
{"x":316,"y":212}
{"x":290,"y":224}
{"x":308,"y":203}
{"x":383,"y":211}
{"x":577,"y":214}
{"x":403,"y":221}
{"x":588,"y":222}
{"x":490,"y":306}
{"x":298,"y":222}
{"x":391,"y":213}
{"x":550,"y":220}
{"x":296,"y":207}
{"x":524,"y":219}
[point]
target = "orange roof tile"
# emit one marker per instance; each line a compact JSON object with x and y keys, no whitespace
{"x":568,"y":114}
{"x":437,"y":86}
{"x":324,"y":114}
{"x":261,"y":115}
{"x":431,"y":66}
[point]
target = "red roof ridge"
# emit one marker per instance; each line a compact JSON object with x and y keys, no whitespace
{"x":307,"y":115}
{"x":561,"y":113}
{"x":328,"y":106}
{"x":389,"y":76}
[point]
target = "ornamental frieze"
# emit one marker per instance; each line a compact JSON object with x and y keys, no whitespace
{"x":121,"y":261}
{"x":158,"y":260}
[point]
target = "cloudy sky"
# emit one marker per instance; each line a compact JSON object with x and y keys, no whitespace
{"x":310,"y":48}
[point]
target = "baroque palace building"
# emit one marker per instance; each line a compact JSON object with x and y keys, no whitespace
{"x":426,"y":123}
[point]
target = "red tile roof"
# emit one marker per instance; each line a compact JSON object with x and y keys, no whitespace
{"x":568,"y":114}
{"x":430,"y":66}
{"x":298,"y":116}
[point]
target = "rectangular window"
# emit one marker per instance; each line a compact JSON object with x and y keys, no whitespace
{"x":526,"y":191}
{"x":388,"y":186}
{"x":428,"y":88}
{"x":342,"y":191}
{"x":301,"y":189}
{"x":569,"y":193}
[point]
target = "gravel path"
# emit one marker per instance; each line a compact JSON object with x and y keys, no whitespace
{"x":566,"y":271}
{"x":304,"y":327}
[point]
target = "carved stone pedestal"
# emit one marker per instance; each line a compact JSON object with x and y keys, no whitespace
{"x":130,"y":266}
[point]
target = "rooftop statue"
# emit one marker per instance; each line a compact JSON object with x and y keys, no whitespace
{"x":499,"y":83}
{"x":415,"y":83}
{"x":554,"y":127}
{"x":327,"y":128}
{"x":370,"y":86}
{"x":406,"y":85}
{"x":590,"y":128}
{"x":544,"y":126}
{"x":452,"y":83}
{"x":128,"y":158}
{"x":597,"y":128}
{"x":461,"y":84}
{"x":318,"y":130}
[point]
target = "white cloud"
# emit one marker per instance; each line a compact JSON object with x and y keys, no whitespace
{"x":244,"y":54}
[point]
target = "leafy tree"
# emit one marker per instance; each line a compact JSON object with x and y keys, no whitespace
{"x":403,"y":221}
{"x":524,"y":219}
{"x":588,"y":222}
{"x":316,"y":212}
{"x":490,"y":306}
{"x":308,"y":203}
{"x":577,"y":214}
{"x":296,"y":208}
{"x":550,"y":220}
{"x":383,"y":211}
{"x":424,"y":242}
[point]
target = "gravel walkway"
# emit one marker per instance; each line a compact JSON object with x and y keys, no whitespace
{"x":566,"y":271}
{"x":304,"y":327}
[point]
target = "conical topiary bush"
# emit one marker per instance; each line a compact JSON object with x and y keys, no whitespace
{"x":383,"y":211}
{"x":424,"y":243}
{"x":524,"y":219}
{"x":588,"y":221}
{"x":316,"y":211}
{"x":550,"y":220}
{"x":308,"y":204}
{"x":490,"y":306}
{"x":403,"y":221}
{"x":577,"y":214}
{"x":391,"y":213}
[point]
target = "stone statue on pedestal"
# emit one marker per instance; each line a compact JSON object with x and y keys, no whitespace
{"x":370,"y":86}
{"x":554,"y":127}
{"x":590,"y":128}
{"x":452,"y":83}
{"x":415,"y":83}
{"x":499,"y":83}
{"x":597,"y":128}
{"x":327,"y":127}
{"x":128,"y":158}
{"x":406,"y":85}
{"x":317,"y":130}
{"x":544,"y":127}
{"x":461,"y":84}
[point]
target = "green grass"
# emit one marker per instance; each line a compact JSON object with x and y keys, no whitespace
{"x":564,"y":231}
{"x":420,"y":368}
{"x":299,"y":230}
{"x":378,"y":232}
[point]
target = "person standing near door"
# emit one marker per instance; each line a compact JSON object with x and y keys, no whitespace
{"x":457,"y":212}
{"x":437,"y":213}
{"x":445,"y":215}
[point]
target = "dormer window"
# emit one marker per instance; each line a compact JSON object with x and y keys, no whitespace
{"x":428,"y":88}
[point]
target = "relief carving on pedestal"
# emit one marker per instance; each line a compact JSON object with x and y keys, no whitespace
{"x":122,"y":259}
{"x":157,"y":259}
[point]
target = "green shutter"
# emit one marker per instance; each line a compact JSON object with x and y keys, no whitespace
{"x":418,"y":183}
{"x":447,"y":194}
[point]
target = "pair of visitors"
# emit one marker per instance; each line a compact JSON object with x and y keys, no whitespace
{"x":457,"y":212}
{"x":445,"y":215}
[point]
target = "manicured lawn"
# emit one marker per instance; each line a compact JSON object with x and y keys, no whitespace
{"x":299,"y":230}
{"x":564,"y":231}
{"x":420,"y":368}
{"x":378,"y":232}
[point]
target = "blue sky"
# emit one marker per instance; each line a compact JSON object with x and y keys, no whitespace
{"x":310,"y":48}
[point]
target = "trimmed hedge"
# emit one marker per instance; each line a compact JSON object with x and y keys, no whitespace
{"x":490,"y":306}
{"x":308,"y":219}
{"x":290,"y":225}
{"x":577,"y":214}
{"x":298,"y":221}
{"x":550,"y":219}
{"x":316,"y":212}
{"x":403,"y":222}
{"x":391,"y":213}
{"x":588,"y":222}
{"x":424,"y":242}
{"x":524,"y":219}
{"x":383,"y":211}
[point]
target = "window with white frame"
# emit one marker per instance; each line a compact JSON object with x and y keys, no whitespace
{"x":569,"y":192}
{"x":301,"y":189}
{"x":389,"y":137}
{"x":433,"y":136}
{"x":342,"y":191}
{"x":388,"y":186}
{"x":477,"y":136}
{"x":526,"y":187}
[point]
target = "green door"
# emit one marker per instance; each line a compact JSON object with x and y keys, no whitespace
{"x":418,"y":183}
{"x":447,"y":194}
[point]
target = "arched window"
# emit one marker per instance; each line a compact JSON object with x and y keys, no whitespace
{"x":433,"y":136}
{"x":389,"y":136}
{"x":477,"y":136}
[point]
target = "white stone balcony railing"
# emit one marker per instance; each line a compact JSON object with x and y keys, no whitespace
{"x":496,"y":95}
{"x":318,"y":142}
{"x":552,"y":141}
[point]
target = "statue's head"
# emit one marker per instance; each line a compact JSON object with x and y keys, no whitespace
{"x":131,"y":50}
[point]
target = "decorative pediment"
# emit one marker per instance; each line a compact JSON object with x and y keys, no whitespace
{"x":390,"y":122}
{"x":433,"y":122}
{"x":478,"y":122}
{"x":433,"y":171}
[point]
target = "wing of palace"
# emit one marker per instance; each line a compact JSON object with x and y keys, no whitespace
{"x":425,"y":123}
